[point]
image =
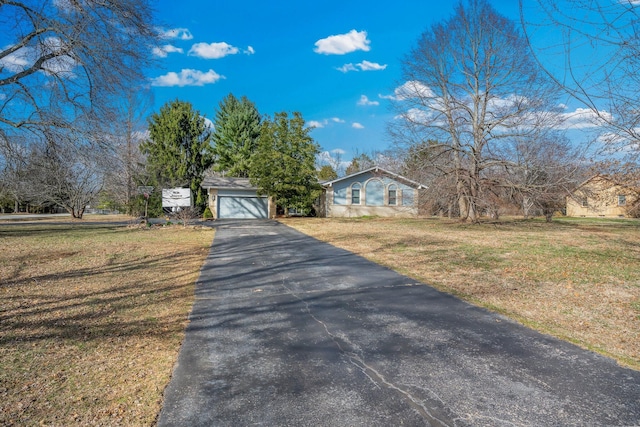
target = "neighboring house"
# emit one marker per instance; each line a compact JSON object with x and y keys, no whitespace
{"x":237,"y":198}
{"x":374,"y":191}
{"x":600,"y":196}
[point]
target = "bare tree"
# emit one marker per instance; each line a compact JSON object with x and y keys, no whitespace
{"x":543,"y":175}
{"x":13,"y":157}
{"x":429,"y":163}
{"x":64,"y":174}
{"x":67,"y":59}
{"x":186,"y":215}
{"x":471,"y":85}
{"x":127,"y":163}
{"x":592,"y":50}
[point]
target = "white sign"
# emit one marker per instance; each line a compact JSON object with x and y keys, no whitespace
{"x":176,"y":198}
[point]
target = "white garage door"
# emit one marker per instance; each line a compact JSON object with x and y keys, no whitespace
{"x":243,"y":207}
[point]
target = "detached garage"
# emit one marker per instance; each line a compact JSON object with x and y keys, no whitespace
{"x":235,"y":198}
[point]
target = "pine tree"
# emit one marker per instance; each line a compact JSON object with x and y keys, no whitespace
{"x":284,"y":163}
{"x":179,"y":149}
{"x":237,"y":127}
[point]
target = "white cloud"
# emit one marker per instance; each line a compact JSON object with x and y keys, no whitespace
{"x":176,"y":33}
{"x":17,"y":61}
{"x":165,"y":50}
{"x":364,"y":100}
{"x":334,"y":159}
{"x":580,"y":118}
{"x":583,"y":118}
{"x":362,"y":66}
{"x":346,"y":68}
{"x":416,"y":115}
{"x":208,"y":123}
{"x":212,"y":50}
{"x":371,"y":66}
{"x":324,"y":157}
{"x":250,"y":50}
{"x":60,"y":64}
{"x":410,"y":89}
{"x":324,"y":122}
{"x":187,"y":77}
{"x":391,"y":97}
{"x":357,"y":125}
{"x":343,"y":43}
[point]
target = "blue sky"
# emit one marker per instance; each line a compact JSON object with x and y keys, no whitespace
{"x":336,"y":62}
{"x":282,"y":56}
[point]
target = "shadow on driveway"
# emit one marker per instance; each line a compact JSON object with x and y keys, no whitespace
{"x":287,"y":330}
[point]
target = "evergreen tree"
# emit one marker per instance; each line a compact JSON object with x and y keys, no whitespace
{"x":360,"y":163}
{"x":283,"y":165}
{"x":179,"y":150}
{"x":237,"y":127}
{"x":327,"y":173}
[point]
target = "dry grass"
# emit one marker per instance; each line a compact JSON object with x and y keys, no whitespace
{"x":91,"y":320}
{"x":575,"y":279}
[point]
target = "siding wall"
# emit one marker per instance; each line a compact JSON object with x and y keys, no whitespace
{"x":374,"y":197}
{"x":601,"y":199}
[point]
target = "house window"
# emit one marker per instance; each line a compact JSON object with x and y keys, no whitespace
{"x":355,"y":194}
{"x":407,"y":197}
{"x":392,"y":195}
{"x":374,"y":193}
{"x":622,"y":200}
{"x":585,"y":203}
{"x":340,"y":196}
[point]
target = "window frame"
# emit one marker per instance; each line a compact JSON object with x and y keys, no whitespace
{"x":392,"y":188}
{"x":356,"y":188}
{"x":622,"y":200}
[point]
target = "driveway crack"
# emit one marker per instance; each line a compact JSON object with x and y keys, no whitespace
{"x":375,"y":376}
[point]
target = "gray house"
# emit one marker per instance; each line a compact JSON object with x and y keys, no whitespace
{"x":236,"y":198}
{"x":374,"y":191}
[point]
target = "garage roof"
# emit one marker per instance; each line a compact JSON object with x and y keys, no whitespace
{"x":227,"y":183}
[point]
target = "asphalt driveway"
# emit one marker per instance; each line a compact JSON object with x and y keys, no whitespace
{"x":289,"y":331}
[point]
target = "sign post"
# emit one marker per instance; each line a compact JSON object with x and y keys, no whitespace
{"x":146,"y":192}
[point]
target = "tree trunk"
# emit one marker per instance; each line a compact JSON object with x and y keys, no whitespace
{"x":472,"y":203}
{"x":526,"y":206}
{"x":463,"y":200}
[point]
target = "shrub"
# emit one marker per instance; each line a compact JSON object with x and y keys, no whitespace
{"x":207,"y":213}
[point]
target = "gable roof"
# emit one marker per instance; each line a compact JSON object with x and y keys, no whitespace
{"x":227,"y":183}
{"x":378,"y":170}
{"x":606,"y":178}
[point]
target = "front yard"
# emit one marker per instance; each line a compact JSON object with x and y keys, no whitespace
{"x":91,"y":320}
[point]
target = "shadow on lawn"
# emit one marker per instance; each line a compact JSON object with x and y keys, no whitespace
{"x":84,"y":308}
{"x":21,"y":229}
